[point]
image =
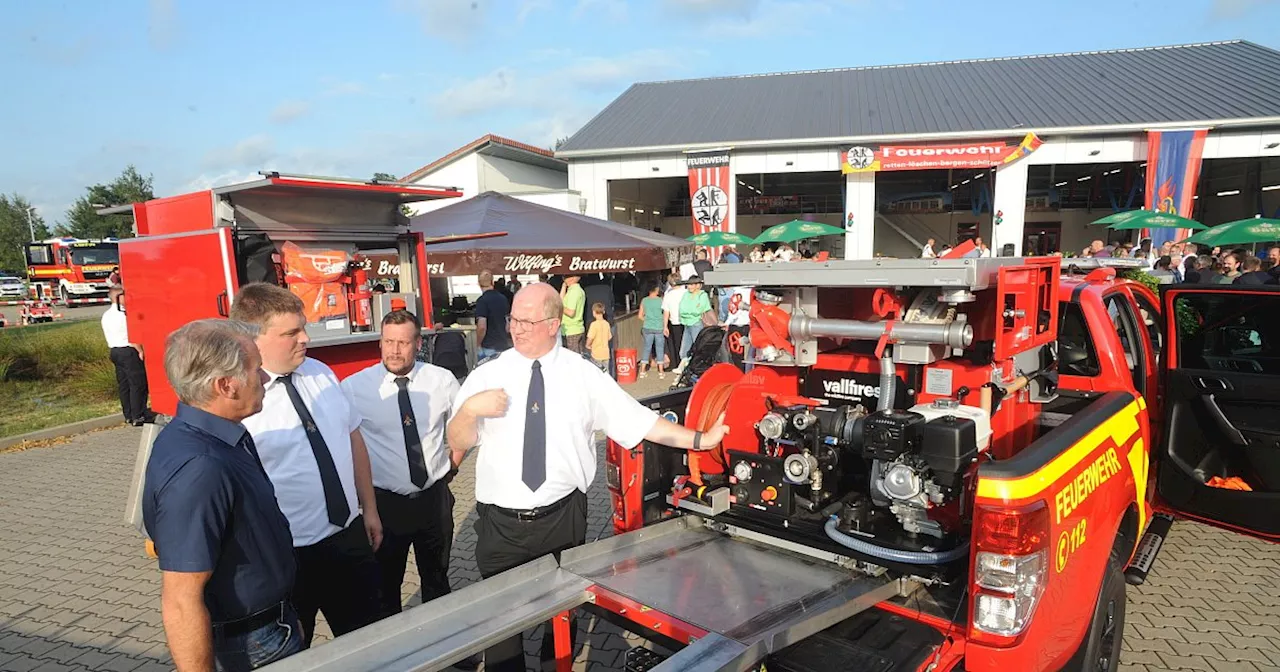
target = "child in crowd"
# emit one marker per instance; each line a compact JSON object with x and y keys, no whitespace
{"x":598,"y":337}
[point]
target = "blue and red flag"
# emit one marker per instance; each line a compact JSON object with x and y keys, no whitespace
{"x":1173,"y":168}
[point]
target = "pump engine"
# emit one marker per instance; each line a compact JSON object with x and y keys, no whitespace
{"x":873,"y":390}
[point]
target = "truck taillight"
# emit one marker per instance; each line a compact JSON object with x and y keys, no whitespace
{"x":1010,"y":566}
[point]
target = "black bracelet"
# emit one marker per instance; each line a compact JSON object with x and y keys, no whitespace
{"x":697,"y":440}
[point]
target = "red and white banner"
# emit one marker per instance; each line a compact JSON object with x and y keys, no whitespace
{"x":966,"y":155}
{"x":709,"y":193}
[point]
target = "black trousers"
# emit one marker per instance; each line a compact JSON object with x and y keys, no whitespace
{"x":673,"y":344}
{"x":131,"y":383}
{"x":339,"y":577}
{"x":504,"y":542}
{"x":424,"y":523}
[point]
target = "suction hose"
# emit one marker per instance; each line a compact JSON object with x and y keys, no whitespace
{"x":888,"y":379}
{"x":909,"y":557}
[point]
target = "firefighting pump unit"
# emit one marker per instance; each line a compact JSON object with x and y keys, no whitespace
{"x":873,"y":392}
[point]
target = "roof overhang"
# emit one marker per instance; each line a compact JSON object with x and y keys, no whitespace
{"x":279,"y":184}
{"x":918,"y":137}
{"x":509,"y":153}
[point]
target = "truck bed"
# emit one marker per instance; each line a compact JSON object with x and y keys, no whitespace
{"x":750,"y":600}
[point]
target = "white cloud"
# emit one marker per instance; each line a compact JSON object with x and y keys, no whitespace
{"x":560,"y":82}
{"x":290,"y":110}
{"x":494,"y":90}
{"x":744,"y":8}
{"x":1234,"y":9}
{"x":612,"y":10}
{"x":162,"y":24}
{"x":455,"y":20}
{"x":337,"y":87}
{"x":528,"y":7}
{"x":253,"y":151}
{"x":219,"y":179}
{"x":785,"y":17}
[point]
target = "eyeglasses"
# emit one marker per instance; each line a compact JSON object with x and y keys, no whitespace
{"x":524,"y":324}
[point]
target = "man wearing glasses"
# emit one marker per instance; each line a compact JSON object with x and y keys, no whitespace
{"x":532,"y":413}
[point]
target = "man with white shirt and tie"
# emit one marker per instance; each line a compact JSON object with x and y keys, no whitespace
{"x":126,"y":356}
{"x":404,"y":404}
{"x":309,"y":441}
{"x":536,"y":461}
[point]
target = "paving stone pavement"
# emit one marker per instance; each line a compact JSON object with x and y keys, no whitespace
{"x":77,"y":593}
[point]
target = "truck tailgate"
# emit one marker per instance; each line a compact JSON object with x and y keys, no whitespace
{"x":750,"y":600}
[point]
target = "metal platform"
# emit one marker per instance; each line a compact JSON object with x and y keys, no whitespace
{"x":975,"y":273}
{"x":751,"y":599}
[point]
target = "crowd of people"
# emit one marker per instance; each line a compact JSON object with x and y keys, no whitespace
{"x":1196,"y":264}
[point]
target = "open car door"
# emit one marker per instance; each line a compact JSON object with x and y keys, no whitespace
{"x":1219,"y":461}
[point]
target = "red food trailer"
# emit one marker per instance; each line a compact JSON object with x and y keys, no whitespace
{"x":308,"y":233}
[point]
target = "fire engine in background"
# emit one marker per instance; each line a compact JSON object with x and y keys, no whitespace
{"x":933,"y":464}
{"x":192,"y":252}
{"x":71,"y":270}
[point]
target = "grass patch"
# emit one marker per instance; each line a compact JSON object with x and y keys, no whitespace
{"x":54,"y":374}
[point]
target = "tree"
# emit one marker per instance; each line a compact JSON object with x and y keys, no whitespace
{"x":15,"y":231}
{"x":388,"y":177}
{"x":559,"y":143}
{"x":83,"y":220}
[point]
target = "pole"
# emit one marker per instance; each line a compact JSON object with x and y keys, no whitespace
{"x":31,"y":226}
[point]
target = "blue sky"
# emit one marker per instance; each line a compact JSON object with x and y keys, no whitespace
{"x":203,"y":93}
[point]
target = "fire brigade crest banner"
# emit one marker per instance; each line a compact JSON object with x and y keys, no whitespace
{"x":965,"y":155}
{"x":709,"y":191}
{"x":1173,"y":168}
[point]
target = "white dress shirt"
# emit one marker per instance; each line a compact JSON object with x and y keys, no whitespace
{"x":671,"y":303}
{"x":580,"y":399}
{"x":375,"y":396}
{"x":115,"y":327}
{"x":286,"y":453}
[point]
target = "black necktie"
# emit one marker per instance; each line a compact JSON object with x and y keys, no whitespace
{"x":335,"y":500}
{"x":534,"y":470}
{"x":412,"y":442}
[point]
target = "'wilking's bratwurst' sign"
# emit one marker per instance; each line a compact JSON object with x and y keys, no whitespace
{"x":968,"y":155}
{"x":502,"y":262}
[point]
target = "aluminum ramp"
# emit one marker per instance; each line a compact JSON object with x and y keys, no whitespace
{"x":751,"y":600}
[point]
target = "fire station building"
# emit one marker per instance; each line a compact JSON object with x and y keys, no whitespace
{"x":1023,"y":152}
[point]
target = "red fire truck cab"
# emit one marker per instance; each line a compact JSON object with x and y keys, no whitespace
{"x":71,"y":269}
{"x":311,"y":234}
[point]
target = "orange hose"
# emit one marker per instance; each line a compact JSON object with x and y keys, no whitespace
{"x":716,"y":402}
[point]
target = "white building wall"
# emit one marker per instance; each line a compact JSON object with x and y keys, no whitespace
{"x":591,"y":177}
{"x":462,"y":173}
{"x":507,"y":176}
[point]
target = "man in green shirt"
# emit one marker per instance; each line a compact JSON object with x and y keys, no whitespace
{"x":575,"y":300}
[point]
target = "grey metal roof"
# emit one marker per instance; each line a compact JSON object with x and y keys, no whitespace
{"x":1216,"y":81}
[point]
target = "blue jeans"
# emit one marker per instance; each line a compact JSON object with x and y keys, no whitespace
{"x":250,"y":650}
{"x":691,"y":332}
{"x":656,"y":343}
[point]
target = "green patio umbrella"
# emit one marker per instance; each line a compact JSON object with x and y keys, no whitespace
{"x":1148,"y":219}
{"x":796,"y":229}
{"x":1239,"y":232}
{"x":718,"y":238}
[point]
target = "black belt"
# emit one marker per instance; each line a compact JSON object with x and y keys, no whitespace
{"x":527,"y":515}
{"x":272,"y":614}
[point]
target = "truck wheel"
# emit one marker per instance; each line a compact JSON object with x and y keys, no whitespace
{"x":65,"y":296}
{"x":1100,"y":650}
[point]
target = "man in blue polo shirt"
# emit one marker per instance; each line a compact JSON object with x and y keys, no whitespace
{"x":225,"y":550}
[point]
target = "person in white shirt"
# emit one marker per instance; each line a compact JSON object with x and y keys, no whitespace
{"x":531,"y":413}
{"x":131,"y":375}
{"x":927,"y":251}
{"x":309,"y":442}
{"x":403,"y":405}
{"x":673,"y":331}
